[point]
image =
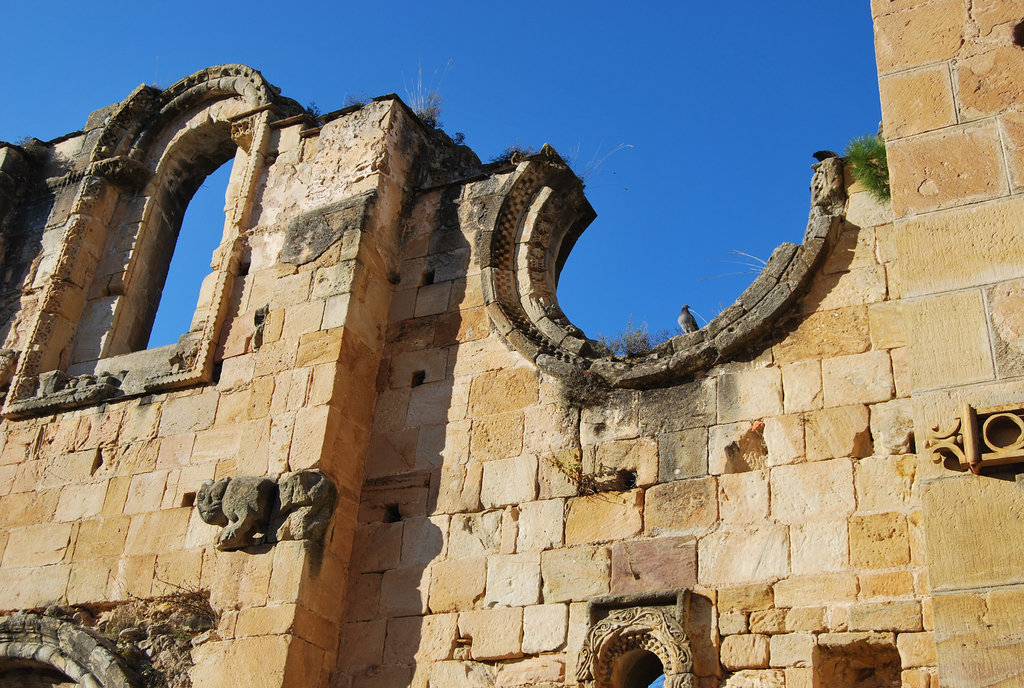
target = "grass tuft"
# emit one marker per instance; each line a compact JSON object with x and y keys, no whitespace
{"x":868,"y":165}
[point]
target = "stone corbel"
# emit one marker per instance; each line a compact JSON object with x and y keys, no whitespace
{"x":254,"y":510}
{"x":980,"y":438}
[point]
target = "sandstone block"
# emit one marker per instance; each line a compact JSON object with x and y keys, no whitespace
{"x":513,"y":580}
{"x":928,"y":171}
{"x":188,"y":414}
{"x":679,"y":407}
{"x":886,"y":584}
{"x":540,"y":525}
{"x":886,"y":322}
{"x":819,"y":547}
{"x":78,"y":502}
{"x":544,"y":627}
{"x":916,"y":649}
{"x":745,"y":652}
{"x":101,"y":537}
{"x":457,"y":584}
{"x":748,"y":555}
{"x":501,"y":391}
{"x":536,"y":671}
{"x":919,"y":35}
{"x":784,"y":438}
{"x":837,"y":432}
{"x":743,"y":497}
{"x":509,"y":481}
{"x":810,"y":591}
{"x":474,"y":535}
{"x":820,"y":490}
{"x":414,"y":638}
{"x":879,"y":541}
{"x":683,"y":454}
{"x":423,"y":539}
{"x":459,"y":488}
{"x":732,"y":623}
{"x":745,"y":597}
{"x":37,"y":545}
{"x":576,"y":573}
{"x":497,"y":437}
{"x":809,"y":619}
{"x":461,"y":674}
{"x":768,"y":621}
{"x":604,"y":516}
{"x":966,"y":621}
{"x":963,"y":356}
{"x":886,"y":616}
{"x":403,"y":591}
{"x":649,"y":565}
{"x":639,"y":456}
{"x":857,"y":379}
{"x":917,"y":101}
{"x":494,"y":633}
{"x":801,"y":386}
{"x":37,"y":586}
{"x":737,"y":448}
{"x":792,"y":650}
{"x":681,"y":506}
{"x":615,"y":420}
{"x":824,"y":334}
{"x":748,"y":394}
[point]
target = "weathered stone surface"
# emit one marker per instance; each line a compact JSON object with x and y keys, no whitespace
{"x":937,"y":35}
{"x":681,"y":506}
{"x":576,"y":573}
{"x":661,"y":564}
{"x":805,"y":591}
{"x":513,"y":580}
{"x":819,"y":547}
{"x":821,"y":490}
{"x":494,"y":633}
{"x":824,"y":334}
{"x":682,"y":454}
{"x":743,"y":497}
{"x":749,"y":394}
{"x":604,"y":516}
{"x":838,"y":432}
{"x":857,"y":379}
{"x":743,"y":556}
{"x":917,"y":101}
{"x":544,"y":627}
{"x":792,"y":650}
{"x":745,"y":652}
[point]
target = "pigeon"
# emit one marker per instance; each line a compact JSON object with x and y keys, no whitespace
{"x":687,"y":321}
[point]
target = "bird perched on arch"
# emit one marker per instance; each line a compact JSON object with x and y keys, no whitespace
{"x":686,"y":320}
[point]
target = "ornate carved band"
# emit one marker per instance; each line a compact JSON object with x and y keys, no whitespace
{"x":540,"y":213}
{"x":624,"y":631}
{"x":980,"y":438}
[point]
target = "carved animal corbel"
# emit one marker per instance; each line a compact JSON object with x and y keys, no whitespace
{"x":241,"y":505}
{"x":306,"y":502}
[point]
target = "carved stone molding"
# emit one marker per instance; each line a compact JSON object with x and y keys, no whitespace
{"x":536,"y":217}
{"x":980,"y":438}
{"x":650,"y":627}
{"x":53,"y":645}
{"x":255,"y":510}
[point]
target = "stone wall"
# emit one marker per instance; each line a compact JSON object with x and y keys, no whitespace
{"x":952,"y":101}
{"x":385,"y":456}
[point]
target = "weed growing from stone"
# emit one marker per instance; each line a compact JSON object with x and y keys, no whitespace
{"x":586,"y":172}
{"x":866,"y":157}
{"x":582,"y":388}
{"x":425,"y":98}
{"x":572,"y":469}
{"x":514,"y":153}
{"x":634,"y":340}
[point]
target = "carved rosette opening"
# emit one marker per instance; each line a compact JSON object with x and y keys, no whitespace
{"x":980,"y":438}
{"x":614,"y":639}
{"x":541,"y":212}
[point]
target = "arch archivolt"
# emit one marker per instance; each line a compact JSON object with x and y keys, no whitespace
{"x":154,"y":150}
{"x":623,"y":632}
{"x":49,"y":646}
{"x":542,"y":212}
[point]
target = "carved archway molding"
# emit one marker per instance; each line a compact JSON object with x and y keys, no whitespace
{"x":541,"y":212}
{"x":125,"y":159}
{"x":651,"y":624}
{"x":86,"y":658}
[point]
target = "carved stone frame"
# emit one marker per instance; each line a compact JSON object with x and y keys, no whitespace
{"x":121,"y":169}
{"x":652,"y":622}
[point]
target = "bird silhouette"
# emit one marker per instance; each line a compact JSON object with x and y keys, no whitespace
{"x":687,"y":321}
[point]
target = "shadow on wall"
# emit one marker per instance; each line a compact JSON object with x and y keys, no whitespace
{"x":385,"y":632}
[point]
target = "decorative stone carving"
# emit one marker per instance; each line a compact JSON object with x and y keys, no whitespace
{"x":54,"y":645}
{"x":624,"y":631}
{"x":980,"y":438}
{"x":305,"y":506}
{"x":254,"y":510}
{"x":127,"y":173}
{"x":241,"y":505}
{"x":58,"y":391}
{"x":827,"y":184}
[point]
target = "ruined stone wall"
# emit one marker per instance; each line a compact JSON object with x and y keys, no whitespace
{"x":950,"y":75}
{"x":383,"y":456}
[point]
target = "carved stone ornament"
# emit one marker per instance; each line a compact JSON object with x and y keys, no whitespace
{"x":623,"y":631}
{"x":256,"y":510}
{"x":980,"y":438}
{"x":35,"y":644}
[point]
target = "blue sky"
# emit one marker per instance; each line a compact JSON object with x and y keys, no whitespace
{"x":720,"y":104}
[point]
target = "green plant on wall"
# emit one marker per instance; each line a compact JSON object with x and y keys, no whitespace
{"x":866,"y":157}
